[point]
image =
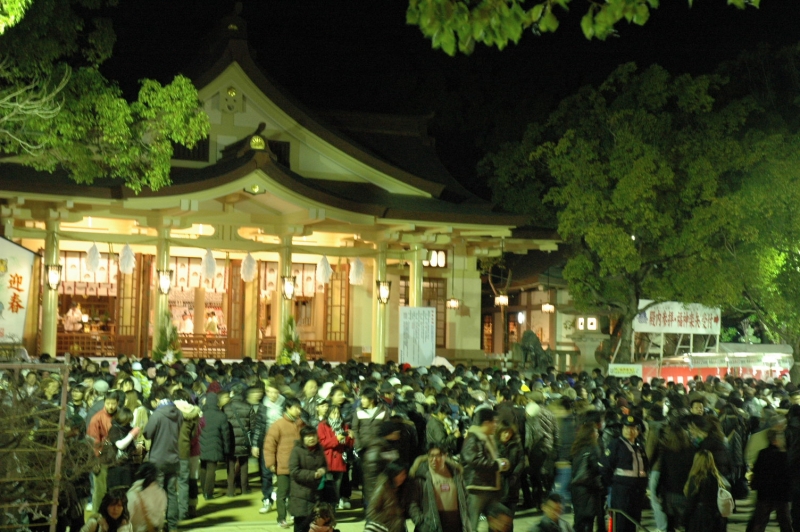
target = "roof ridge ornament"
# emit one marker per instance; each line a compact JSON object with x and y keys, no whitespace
{"x":234,"y":25}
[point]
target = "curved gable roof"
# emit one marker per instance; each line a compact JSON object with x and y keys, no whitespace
{"x":235,"y":50}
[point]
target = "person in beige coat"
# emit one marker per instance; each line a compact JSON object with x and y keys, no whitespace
{"x":278,"y":446}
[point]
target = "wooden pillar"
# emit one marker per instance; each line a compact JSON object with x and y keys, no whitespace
{"x":285,"y":307}
{"x":379,"y":311}
{"x":250,"y":320}
{"x":160,"y":319}
{"x":50,"y":297}
{"x":415,"y":282}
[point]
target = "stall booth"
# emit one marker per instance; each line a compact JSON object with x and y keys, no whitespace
{"x":760,"y":361}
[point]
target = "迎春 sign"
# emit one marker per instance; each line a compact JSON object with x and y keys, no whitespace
{"x":16,"y":268}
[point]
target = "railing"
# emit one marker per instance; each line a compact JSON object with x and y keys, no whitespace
{"x":267,"y":348}
{"x":208,"y":346}
{"x":612,"y":515}
{"x":313,"y":348}
{"x":100,"y":343}
{"x":328,"y":350}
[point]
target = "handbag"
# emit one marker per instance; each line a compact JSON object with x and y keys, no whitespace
{"x":108,"y":453}
{"x":725,"y":502}
{"x":241,"y":426}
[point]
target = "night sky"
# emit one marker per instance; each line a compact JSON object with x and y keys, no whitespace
{"x":359,"y":55}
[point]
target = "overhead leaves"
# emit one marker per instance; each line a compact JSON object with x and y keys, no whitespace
{"x":456,"y":25}
{"x":58,"y":111}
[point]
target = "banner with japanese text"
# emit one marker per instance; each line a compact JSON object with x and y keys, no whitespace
{"x":417,"y":336}
{"x":672,"y":317}
{"x":624,"y":370}
{"x":16,"y":270}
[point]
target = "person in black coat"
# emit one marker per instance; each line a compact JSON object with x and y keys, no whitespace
{"x":307,"y":470}
{"x":509,"y":446}
{"x":772,"y":484}
{"x":215,"y":442}
{"x":792,"y":434}
{"x":587,"y":483}
{"x":241,"y":418}
{"x":675,"y":457}
{"x":702,"y":513}
{"x":120,"y":435}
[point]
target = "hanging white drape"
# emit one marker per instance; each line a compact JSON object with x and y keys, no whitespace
{"x":357,"y":272}
{"x":324,"y":271}
{"x":127,"y":260}
{"x":248,"y":268}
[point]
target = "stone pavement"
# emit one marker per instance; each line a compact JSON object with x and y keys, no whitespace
{"x":240,"y":514}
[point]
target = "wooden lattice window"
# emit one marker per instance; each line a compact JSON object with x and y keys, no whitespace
{"x":434,"y":294}
{"x":336,"y":293}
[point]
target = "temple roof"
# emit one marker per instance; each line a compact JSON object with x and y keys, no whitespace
{"x":398,"y":146}
{"x":354,"y":197}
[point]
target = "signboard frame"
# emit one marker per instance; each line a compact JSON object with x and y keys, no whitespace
{"x":417,"y":340}
{"x":15,"y":292}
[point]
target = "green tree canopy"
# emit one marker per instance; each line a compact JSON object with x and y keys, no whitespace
{"x":58,"y":111}
{"x":765,"y":262}
{"x":11,"y":12}
{"x":641,"y":172}
{"x":457,"y":25}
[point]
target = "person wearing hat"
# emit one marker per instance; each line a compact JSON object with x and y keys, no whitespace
{"x":625,"y":469}
{"x":794,"y":396}
{"x":482,"y":465}
{"x":99,"y":388}
{"x":387,"y":393}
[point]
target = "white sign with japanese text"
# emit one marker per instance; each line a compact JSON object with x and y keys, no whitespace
{"x":16,"y":269}
{"x":624,"y":370}
{"x":672,"y":317}
{"x":417,"y":336}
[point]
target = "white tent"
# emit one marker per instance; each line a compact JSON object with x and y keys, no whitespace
{"x":441,"y":361}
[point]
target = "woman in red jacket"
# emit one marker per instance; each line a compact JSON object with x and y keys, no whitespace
{"x":336,"y":440}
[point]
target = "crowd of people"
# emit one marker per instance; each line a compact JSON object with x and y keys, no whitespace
{"x":444,"y":447}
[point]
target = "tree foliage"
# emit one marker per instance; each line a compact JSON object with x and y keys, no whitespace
{"x":58,"y":111}
{"x":11,"y":12}
{"x":457,"y":25}
{"x":643,"y":170}
{"x":766,"y":261}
